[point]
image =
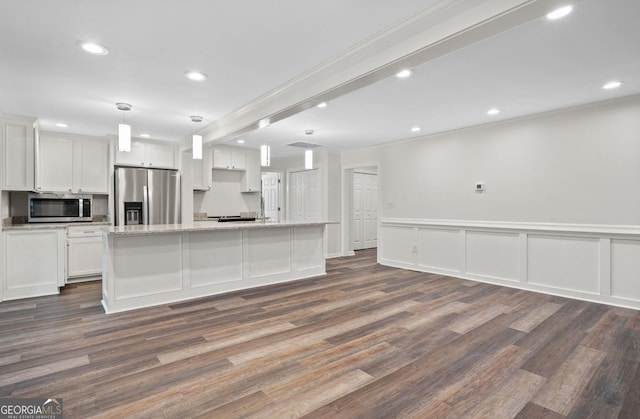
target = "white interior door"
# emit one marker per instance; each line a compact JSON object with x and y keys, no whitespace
{"x":304,"y":196}
{"x":271,"y":195}
{"x":364,"y":220}
{"x":370,"y":210}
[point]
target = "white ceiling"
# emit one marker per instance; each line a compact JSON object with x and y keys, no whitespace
{"x":249,"y":47}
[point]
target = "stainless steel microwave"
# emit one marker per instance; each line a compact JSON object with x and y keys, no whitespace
{"x":47,"y":208}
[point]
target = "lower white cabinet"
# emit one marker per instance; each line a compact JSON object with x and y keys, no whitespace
{"x":33,"y":262}
{"x":84,"y":253}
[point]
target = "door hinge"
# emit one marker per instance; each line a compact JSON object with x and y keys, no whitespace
{"x":278,"y":180}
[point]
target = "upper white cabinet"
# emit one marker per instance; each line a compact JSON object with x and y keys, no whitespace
{"x":17,"y":140}
{"x":224,"y":158}
{"x":149,"y":154}
{"x":72,"y":163}
{"x":202,"y":172}
{"x":92,"y":166}
{"x":251,"y":180}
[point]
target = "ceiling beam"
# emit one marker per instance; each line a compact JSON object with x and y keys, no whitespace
{"x":443,"y":27}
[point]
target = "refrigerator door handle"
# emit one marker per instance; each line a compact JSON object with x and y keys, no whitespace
{"x":145,"y":205}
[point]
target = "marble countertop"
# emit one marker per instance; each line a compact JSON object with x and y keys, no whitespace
{"x":43,"y":226}
{"x":134,"y":230}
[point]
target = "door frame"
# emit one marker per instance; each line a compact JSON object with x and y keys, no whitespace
{"x":346,"y":179}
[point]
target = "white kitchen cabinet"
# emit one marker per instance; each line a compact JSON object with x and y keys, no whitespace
{"x":251,"y":180}
{"x":54,"y":164}
{"x":228,"y":159}
{"x":33,"y":262}
{"x":149,"y":154}
{"x":17,"y":140}
{"x":71,"y":163}
{"x":84,"y":252}
{"x":202,"y":172}
{"x":135,"y":157}
{"x":91,"y":164}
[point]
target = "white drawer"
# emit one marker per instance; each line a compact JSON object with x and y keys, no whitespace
{"x":84,"y":231}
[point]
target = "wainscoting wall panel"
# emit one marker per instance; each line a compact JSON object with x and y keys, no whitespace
{"x":569,"y":263}
{"x":439,"y":250}
{"x":589,"y":262}
{"x":625,"y":269}
{"x":493,"y":255}
{"x":401,"y":240}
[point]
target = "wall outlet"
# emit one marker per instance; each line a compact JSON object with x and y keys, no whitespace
{"x":480,"y":187}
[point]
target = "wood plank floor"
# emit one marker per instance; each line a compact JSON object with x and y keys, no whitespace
{"x":365,"y":341}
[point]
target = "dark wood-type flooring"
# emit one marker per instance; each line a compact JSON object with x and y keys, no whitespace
{"x":364,"y":341}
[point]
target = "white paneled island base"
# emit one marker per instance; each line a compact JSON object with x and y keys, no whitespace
{"x":149,"y":265}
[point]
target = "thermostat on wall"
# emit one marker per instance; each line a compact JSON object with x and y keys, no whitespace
{"x":480,"y":187}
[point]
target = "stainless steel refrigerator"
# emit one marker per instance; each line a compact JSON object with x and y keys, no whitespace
{"x":146,"y":196}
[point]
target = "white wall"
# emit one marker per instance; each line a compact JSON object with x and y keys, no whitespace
{"x":579,"y":165}
{"x":225,"y":197}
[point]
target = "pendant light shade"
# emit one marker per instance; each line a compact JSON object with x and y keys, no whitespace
{"x":197,"y":147}
{"x":124,"y":137}
{"x":265,"y":155}
{"x":308,"y":159}
{"x":124,"y":130}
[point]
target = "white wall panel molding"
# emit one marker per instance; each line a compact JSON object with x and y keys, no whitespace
{"x":493,"y":255}
{"x":597,"y":263}
{"x":439,"y":249}
{"x":571,"y":230}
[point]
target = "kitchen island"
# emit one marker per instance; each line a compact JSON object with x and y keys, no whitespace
{"x":147,"y":265}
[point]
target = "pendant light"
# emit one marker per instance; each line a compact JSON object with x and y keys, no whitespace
{"x":265,"y":155}
{"x":308,"y":159}
{"x":265,"y":150}
{"x":124,"y":130}
{"x":308,"y":153}
{"x":196,"y":141}
{"x":197,"y":147}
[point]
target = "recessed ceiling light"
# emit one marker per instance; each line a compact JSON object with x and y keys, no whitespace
{"x":415,"y":129}
{"x":195,"y":76}
{"x":404,"y":74}
{"x":559,"y":13}
{"x":62,"y":125}
{"x":613,"y":84}
{"x":493,"y":111}
{"x":240,"y":141}
{"x":145,"y":135}
{"x":322,"y":105}
{"x":93,"y":48}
